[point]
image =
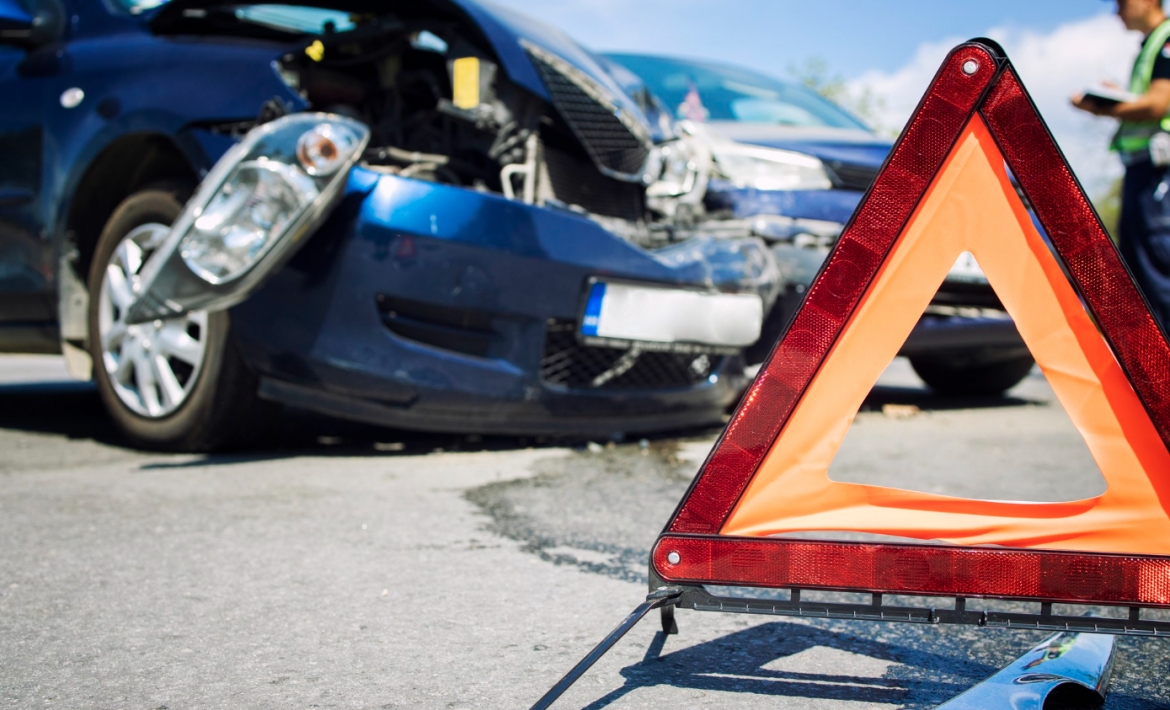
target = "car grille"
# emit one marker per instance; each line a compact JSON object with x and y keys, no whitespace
{"x":575,"y":181}
{"x":569,"y":363}
{"x":616,"y":142}
{"x":851,"y":176}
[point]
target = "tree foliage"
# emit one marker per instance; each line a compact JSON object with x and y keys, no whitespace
{"x":816,"y":74}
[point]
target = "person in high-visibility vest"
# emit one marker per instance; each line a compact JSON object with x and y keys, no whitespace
{"x":1143,"y":142}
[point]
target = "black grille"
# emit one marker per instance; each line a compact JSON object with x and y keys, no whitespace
{"x":464,"y":331}
{"x":575,"y":181}
{"x":850,"y":176}
{"x":959,"y":293}
{"x":610,"y":142}
{"x":569,"y":363}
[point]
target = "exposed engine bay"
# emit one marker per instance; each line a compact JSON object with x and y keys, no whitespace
{"x":440,"y":108}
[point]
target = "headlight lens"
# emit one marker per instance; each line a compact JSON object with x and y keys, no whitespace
{"x":278,"y":178}
{"x":258,"y":201}
{"x":770,"y":169}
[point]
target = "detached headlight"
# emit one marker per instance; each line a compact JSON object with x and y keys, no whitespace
{"x":259,"y":201}
{"x":770,"y":168}
{"x":287,"y":174}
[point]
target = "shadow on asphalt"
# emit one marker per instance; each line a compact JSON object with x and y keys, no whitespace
{"x":928,"y":401}
{"x":925,"y":671}
{"x":69,"y":409}
{"x":740,"y":663}
{"x":74,"y":410}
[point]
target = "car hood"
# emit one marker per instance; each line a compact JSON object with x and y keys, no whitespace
{"x":832,"y":145}
{"x":505,"y":30}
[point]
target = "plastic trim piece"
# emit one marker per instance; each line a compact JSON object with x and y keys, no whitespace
{"x":1079,"y":665}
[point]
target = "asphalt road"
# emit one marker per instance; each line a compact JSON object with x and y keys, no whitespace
{"x":347,"y":566}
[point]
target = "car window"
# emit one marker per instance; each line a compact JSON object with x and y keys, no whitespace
{"x":702,"y":91}
{"x":772,"y":111}
{"x":135,"y":7}
{"x":288,"y":18}
{"x":307,"y":20}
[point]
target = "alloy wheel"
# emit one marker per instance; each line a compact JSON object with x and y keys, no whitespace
{"x":153,"y":366}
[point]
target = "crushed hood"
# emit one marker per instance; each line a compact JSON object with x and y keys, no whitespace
{"x":503,"y":29}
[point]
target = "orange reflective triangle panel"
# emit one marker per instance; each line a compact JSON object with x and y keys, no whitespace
{"x":946,"y":190}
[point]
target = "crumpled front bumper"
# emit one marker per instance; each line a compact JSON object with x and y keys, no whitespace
{"x":432,"y":307}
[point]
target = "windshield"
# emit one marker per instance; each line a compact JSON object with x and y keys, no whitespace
{"x":136,"y":6}
{"x":307,"y":20}
{"x":286,"y":18}
{"x":699,"y":91}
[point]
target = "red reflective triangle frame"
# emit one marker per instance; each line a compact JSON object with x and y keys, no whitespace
{"x":993,"y":92}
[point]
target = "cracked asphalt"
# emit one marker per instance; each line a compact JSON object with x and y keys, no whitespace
{"x":343,"y":566}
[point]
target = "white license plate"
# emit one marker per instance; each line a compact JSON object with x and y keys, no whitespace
{"x":663,"y":315}
{"x":966,"y":269}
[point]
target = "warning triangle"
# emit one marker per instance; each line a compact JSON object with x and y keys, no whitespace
{"x":946,"y":190}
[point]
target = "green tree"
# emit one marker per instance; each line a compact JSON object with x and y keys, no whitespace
{"x":816,"y":74}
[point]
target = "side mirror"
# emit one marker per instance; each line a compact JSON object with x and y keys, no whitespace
{"x":31,"y":23}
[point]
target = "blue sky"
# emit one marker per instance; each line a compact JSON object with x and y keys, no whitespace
{"x":887,"y":48}
{"x":853,"y":36}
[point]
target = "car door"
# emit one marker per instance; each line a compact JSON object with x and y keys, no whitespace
{"x":27,"y":302}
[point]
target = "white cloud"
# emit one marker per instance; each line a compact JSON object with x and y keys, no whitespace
{"x":1052,"y":66}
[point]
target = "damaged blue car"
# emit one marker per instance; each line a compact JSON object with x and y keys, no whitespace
{"x":795,"y":166}
{"x":435,"y":215}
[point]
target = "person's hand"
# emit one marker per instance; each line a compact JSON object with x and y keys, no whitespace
{"x":1090,"y":106}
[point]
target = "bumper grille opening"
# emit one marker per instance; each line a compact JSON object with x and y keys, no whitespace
{"x":569,"y":363}
{"x":850,"y":176}
{"x":464,"y":331}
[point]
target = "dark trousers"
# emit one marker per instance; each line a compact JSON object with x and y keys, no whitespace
{"x":1145,"y":234}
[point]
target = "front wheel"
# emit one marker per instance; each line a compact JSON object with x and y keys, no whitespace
{"x":175,"y":384}
{"x":972,"y":377}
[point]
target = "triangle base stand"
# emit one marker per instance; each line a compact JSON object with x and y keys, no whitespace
{"x":666,"y":597}
{"x":662,"y":598}
{"x":788,"y":602}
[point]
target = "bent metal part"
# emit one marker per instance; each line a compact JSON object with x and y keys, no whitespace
{"x":1106,"y":357}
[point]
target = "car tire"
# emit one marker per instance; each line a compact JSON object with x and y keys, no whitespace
{"x":972,"y":378}
{"x":179,"y":384}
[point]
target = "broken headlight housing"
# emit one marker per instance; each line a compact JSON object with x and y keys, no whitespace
{"x":245,"y":217}
{"x":678,"y":171}
{"x":770,"y":168}
{"x":256,"y":205}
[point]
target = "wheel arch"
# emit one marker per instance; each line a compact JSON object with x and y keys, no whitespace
{"x":126,"y":165}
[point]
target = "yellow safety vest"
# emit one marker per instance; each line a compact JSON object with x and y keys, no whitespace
{"x":1134,"y":136}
